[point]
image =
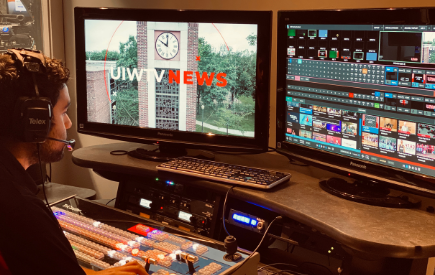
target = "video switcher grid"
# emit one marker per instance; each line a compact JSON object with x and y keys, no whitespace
{"x":364,"y":91}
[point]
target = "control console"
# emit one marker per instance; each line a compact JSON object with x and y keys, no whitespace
{"x":173,"y":203}
{"x":104,"y":237}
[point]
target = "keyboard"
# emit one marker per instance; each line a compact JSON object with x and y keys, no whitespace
{"x":224,"y":172}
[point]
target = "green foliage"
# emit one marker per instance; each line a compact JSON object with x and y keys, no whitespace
{"x":240,"y":69}
{"x":100,"y":55}
{"x":127,"y":107}
{"x":237,"y":116}
{"x":127,"y":100}
{"x":432,"y":57}
{"x":252,"y":39}
{"x":128,"y":58}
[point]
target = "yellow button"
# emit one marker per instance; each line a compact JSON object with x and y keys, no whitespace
{"x":183,"y":228}
{"x":144,"y":215}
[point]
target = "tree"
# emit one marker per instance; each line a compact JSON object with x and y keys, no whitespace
{"x":240,"y":69}
{"x":126,"y":111}
{"x":432,"y":57}
{"x":126,"y":98}
{"x":252,"y":39}
{"x":100,"y":55}
{"x":209,"y":63}
{"x":128,"y":58}
{"x":237,"y":117}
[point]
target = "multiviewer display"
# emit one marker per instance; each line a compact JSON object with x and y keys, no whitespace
{"x":363,"y":91}
{"x":193,"y":77}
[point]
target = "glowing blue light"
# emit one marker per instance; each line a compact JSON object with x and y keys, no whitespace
{"x":58,"y":213}
{"x":241,"y":218}
{"x":5,"y":29}
{"x":253,"y":222}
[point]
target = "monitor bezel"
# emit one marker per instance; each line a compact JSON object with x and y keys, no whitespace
{"x":188,"y":139}
{"x":384,"y":175}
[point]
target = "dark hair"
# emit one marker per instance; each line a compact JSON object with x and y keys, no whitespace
{"x":15,"y":82}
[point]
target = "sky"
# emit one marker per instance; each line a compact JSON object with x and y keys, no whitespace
{"x":233,"y":34}
{"x":99,"y":33}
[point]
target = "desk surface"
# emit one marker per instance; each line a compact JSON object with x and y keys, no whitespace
{"x":389,"y":232}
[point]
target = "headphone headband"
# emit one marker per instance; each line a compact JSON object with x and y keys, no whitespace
{"x":32,"y":115}
{"x":32,"y":61}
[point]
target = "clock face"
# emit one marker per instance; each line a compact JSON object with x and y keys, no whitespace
{"x":167,"y":45}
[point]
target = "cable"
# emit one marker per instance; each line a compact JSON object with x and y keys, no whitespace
{"x":50,"y":171}
{"x":42,"y":178}
{"x":223,"y":212}
{"x":119,"y":152}
{"x":110,"y":201}
{"x":261,"y":241}
{"x":292,"y":161}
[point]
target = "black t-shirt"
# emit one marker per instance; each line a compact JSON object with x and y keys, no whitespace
{"x":31,"y":241}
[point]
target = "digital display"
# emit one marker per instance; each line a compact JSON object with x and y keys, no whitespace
{"x":363,"y":91}
{"x":193,"y":77}
{"x":184,"y":216}
{"x":145,"y":203}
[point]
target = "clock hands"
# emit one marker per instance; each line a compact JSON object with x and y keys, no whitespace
{"x":170,"y":51}
{"x":164,"y":43}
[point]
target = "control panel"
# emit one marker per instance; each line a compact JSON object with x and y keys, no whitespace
{"x":160,"y":250}
{"x":181,"y":205}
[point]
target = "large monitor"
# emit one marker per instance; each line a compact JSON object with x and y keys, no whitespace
{"x":356,"y":94}
{"x":176,"y":77}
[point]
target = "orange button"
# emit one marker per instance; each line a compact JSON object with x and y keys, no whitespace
{"x":364,"y":70}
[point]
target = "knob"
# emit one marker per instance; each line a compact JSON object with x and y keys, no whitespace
{"x":230,"y":244}
{"x":183,"y":255}
{"x":192,"y":258}
{"x":260,"y":225}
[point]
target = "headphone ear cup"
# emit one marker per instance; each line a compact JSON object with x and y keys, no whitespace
{"x":32,"y":119}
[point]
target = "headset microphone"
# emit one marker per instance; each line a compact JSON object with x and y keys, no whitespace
{"x":70,"y":143}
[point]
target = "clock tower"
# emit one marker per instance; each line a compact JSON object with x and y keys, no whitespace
{"x":167,"y":46}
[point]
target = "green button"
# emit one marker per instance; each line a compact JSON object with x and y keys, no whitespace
{"x":291,"y":32}
{"x":376,"y":105}
{"x":288,"y":98}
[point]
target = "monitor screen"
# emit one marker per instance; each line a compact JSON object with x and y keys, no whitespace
{"x":184,"y":76}
{"x":17,"y":7}
{"x":361,"y":87}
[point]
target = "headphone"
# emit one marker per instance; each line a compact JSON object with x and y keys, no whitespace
{"x":32,"y":115}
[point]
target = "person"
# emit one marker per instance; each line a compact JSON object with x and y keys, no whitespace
{"x":31,"y":240}
{"x":401,"y":147}
{"x":404,"y":128}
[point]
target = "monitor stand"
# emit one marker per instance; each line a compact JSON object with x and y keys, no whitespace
{"x":159,"y":152}
{"x":366,"y":192}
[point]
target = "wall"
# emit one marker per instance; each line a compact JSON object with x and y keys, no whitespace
{"x":67,"y":173}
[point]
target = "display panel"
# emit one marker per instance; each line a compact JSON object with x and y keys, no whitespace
{"x":360,"y":87}
{"x":185,"y":76}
